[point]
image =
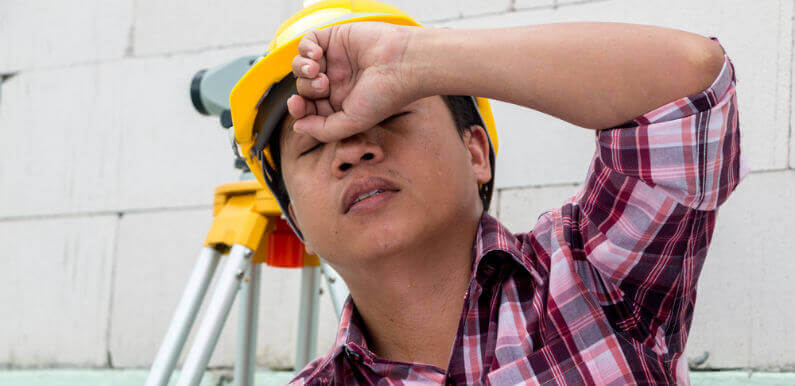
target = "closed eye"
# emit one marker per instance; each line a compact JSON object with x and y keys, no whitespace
{"x":311,"y":149}
{"x":391,"y":118}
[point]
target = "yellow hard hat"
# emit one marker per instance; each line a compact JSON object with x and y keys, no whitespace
{"x":258,"y":102}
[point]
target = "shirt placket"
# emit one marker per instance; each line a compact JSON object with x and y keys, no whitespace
{"x":487,"y":274}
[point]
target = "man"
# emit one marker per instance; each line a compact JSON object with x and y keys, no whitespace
{"x":384,"y":186}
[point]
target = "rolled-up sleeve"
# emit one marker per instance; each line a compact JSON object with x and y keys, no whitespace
{"x":689,"y":148}
{"x":648,"y":207}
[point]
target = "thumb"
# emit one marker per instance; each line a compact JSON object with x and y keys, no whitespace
{"x":334,"y":127}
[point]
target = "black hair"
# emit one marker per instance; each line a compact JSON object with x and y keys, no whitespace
{"x":465,"y":115}
{"x":463,"y":111}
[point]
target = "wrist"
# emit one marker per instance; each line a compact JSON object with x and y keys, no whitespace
{"x":417,"y":65}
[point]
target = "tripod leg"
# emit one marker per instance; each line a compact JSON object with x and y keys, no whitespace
{"x":336,"y":288}
{"x":307,"y":316}
{"x":247,"y":328}
{"x":183,"y":318}
{"x":217,"y":310}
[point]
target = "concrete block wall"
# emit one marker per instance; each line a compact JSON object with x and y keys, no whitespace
{"x":107,"y":173}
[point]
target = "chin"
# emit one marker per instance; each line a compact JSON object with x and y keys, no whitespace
{"x":376,"y":238}
{"x":388,"y":231}
{"x":387,"y":237}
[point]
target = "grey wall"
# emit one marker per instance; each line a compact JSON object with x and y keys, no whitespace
{"x":107,"y":173}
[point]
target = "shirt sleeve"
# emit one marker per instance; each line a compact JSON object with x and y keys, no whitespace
{"x":648,"y":207}
{"x":689,"y":149}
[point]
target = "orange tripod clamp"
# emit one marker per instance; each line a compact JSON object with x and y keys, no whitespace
{"x":246,"y":213}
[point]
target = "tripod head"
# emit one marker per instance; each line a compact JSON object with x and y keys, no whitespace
{"x":209,"y":93}
{"x":245,"y":212}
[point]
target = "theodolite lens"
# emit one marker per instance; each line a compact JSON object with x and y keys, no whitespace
{"x":195,"y":92}
{"x":210,"y":88}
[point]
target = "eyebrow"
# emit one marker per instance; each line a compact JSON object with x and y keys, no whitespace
{"x":394,"y":116}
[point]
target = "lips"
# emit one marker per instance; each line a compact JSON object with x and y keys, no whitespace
{"x":365,"y":188}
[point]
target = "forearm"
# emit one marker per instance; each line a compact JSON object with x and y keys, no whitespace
{"x":594,"y":75}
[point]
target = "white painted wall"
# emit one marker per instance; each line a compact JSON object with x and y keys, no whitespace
{"x":107,"y":173}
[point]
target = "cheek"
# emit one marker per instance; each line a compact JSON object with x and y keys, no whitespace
{"x":423,"y":152}
{"x":303,"y":195}
{"x":442,"y":162}
{"x":311,"y":205}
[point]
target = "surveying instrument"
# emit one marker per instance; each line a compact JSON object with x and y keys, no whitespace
{"x":249,"y":229}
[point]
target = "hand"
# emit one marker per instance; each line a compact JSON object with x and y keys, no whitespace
{"x":350,"y":77}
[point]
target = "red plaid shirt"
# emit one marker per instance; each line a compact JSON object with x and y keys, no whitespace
{"x":602,"y":290}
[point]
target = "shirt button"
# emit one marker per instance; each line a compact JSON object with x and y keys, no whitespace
{"x":354,"y":355}
{"x":449,"y":382}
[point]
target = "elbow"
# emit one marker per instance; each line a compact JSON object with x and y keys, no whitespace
{"x":705,"y":59}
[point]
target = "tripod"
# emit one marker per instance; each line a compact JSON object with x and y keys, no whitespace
{"x":247,"y":226}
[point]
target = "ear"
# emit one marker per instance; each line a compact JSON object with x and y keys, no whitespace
{"x":477,"y":142}
{"x":291,"y":212}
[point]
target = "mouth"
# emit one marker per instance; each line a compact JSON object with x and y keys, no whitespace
{"x":367,"y":193}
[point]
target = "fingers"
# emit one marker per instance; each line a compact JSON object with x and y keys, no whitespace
{"x":309,"y":46}
{"x":304,"y":67}
{"x":300,"y":107}
{"x":315,"y":114}
{"x":296,"y":106}
{"x":323,"y":107}
{"x":316,"y":88}
{"x":311,"y":59}
{"x":309,"y":67}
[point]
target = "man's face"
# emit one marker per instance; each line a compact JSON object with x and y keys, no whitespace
{"x":397,"y":186}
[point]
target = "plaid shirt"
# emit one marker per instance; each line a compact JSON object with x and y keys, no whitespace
{"x":602,"y":290}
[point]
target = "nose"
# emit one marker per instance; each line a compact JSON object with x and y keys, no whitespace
{"x":353,"y":151}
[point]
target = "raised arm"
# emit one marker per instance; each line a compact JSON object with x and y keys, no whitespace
{"x":594,"y":75}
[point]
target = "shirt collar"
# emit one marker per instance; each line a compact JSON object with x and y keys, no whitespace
{"x":494,"y":244}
